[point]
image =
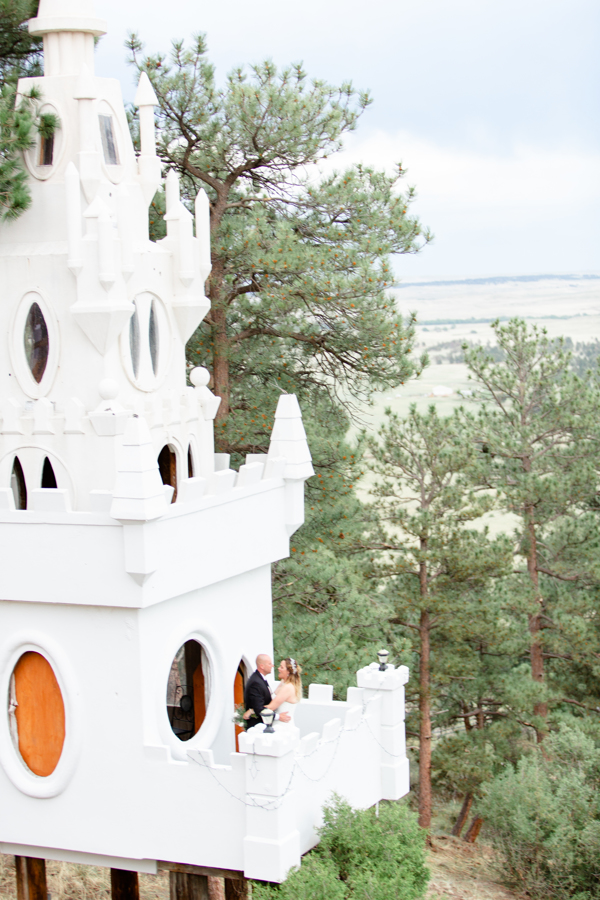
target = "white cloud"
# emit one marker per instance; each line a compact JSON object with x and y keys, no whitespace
{"x":489,"y":212}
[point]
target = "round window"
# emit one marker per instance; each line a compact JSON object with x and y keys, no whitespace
{"x":145,"y":342}
{"x":188,"y":690}
{"x":36,"y":714}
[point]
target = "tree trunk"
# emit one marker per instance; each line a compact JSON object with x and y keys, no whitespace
{"x":424,"y":705}
{"x":474,"y":829}
{"x":462,"y":816}
{"x":535,"y":620}
{"x":220,"y":371}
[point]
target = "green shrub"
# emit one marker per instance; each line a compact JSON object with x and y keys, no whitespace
{"x":544,"y":816}
{"x":360,"y":856}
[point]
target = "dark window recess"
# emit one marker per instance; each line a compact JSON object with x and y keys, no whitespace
{"x":109,"y":145}
{"x":36,"y":342}
{"x":46,"y":150}
{"x":186,"y":691}
{"x":48,"y":476}
{"x":167,"y":463}
{"x":153,"y":337}
{"x":17,"y":483}
{"x":134,"y":341}
{"x":190,"y":463}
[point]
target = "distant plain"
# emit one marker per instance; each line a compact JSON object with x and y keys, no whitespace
{"x":565,"y":307}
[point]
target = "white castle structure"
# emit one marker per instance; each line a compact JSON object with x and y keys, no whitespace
{"x":135,"y":581}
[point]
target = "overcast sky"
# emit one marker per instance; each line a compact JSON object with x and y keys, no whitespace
{"x":491,"y":106}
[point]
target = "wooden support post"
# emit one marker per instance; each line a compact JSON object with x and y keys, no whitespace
{"x":236,"y":889}
{"x":31,"y":878}
{"x":184,"y":886}
{"x":124,"y":885}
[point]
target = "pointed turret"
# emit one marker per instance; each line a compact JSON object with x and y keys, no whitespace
{"x":288,"y":439}
{"x":139,"y":494}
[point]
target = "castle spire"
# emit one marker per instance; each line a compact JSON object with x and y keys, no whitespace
{"x":68,"y":28}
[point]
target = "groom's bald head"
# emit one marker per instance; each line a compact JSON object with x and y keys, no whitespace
{"x":264,"y":664}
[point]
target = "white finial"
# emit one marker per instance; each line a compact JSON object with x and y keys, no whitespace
{"x":202,"y":208}
{"x":145,"y":96}
{"x":108,"y":389}
{"x":146,"y":100}
{"x":200,"y":376}
{"x":171,"y":190}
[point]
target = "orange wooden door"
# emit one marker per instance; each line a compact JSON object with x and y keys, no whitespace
{"x":199,"y":691}
{"x":40,"y":714}
{"x":238,"y":699}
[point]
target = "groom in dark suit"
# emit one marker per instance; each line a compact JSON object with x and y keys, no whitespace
{"x":257,"y":693}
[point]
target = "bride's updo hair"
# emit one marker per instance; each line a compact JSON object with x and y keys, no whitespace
{"x":294,"y":672}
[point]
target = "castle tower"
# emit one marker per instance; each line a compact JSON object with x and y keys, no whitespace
{"x":135,"y":582}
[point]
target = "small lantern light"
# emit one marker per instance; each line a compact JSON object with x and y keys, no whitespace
{"x":267,"y":715}
{"x":382,"y":656}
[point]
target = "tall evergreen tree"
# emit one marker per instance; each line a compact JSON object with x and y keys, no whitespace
{"x":538,"y":434}
{"x":298,"y":291}
{"x":20,"y":55}
{"x":300,"y":261}
{"x":436,"y":567}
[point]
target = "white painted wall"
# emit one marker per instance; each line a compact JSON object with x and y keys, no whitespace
{"x":104,"y":576}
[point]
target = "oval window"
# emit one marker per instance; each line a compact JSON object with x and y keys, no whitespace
{"x":37,"y":714}
{"x":134,"y":341}
{"x":18,"y":485}
{"x":153,"y":336}
{"x":145,"y":343}
{"x":37,"y":345}
{"x":188,"y":690}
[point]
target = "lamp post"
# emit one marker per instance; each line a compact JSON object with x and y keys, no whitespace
{"x":382,"y":656}
{"x":267,"y":715}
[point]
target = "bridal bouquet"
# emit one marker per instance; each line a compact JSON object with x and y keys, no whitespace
{"x":238,"y":716}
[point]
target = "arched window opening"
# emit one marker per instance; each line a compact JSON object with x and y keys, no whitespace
{"x":190,"y":463}
{"x":48,"y":476}
{"x":17,"y":483}
{"x":36,"y":714}
{"x":36,"y":342}
{"x":167,"y":463}
{"x":153,"y":333}
{"x":46,"y":156}
{"x":239,"y":683}
{"x":109,"y":144}
{"x":188,"y":690}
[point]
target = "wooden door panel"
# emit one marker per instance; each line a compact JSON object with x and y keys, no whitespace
{"x":40,"y":714}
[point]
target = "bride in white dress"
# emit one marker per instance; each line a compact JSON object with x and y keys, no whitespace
{"x":288,"y":692}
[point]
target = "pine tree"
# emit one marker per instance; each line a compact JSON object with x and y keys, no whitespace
{"x":300,"y":262}
{"x":538,"y":436}
{"x":436,"y":567}
{"x":19,"y":121}
{"x":298,"y":291}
